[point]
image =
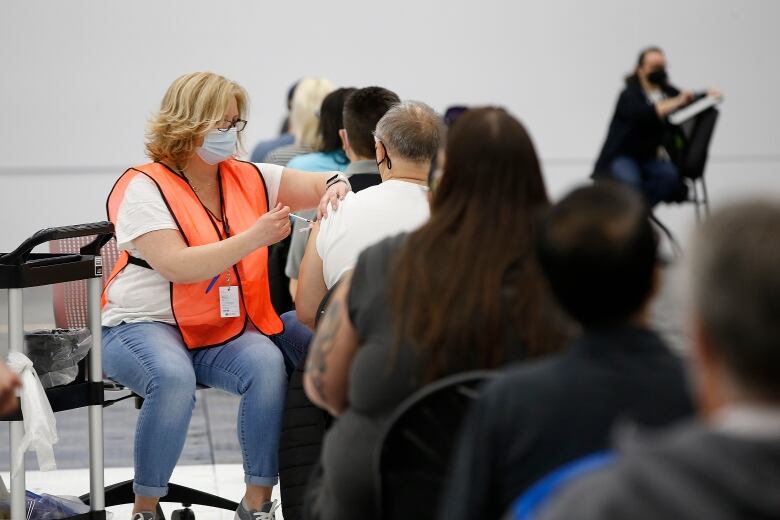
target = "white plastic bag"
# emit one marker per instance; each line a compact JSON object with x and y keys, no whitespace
{"x":56,"y":353}
{"x":40,"y":427}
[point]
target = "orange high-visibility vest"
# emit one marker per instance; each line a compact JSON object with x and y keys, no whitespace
{"x":244,"y":200}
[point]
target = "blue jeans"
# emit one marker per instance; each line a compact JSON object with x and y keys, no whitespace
{"x":151,"y":359}
{"x":656,"y":179}
{"x":294,"y":342}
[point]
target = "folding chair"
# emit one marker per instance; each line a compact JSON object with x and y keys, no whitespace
{"x":413,"y":454}
{"x":697,"y":134}
{"x":690,"y":150}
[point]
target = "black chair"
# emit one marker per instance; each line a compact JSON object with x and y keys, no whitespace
{"x":303,"y":430}
{"x":413,"y":454}
{"x":697,"y":135}
{"x":278,"y":281}
{"x":689,"y":150}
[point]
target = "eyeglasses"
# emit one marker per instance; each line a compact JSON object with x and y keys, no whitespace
{"x":238,"y":124}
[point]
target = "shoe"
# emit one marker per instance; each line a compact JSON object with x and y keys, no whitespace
{"x":267,"y":512}
{"x":143,"y":515}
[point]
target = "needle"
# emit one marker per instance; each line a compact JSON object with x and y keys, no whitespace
{"x":302,"y":218}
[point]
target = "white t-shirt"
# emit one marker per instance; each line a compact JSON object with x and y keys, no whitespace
{"x":365,"y":218}
{"x":138,"y":294}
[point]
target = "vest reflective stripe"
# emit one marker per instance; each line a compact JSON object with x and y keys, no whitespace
{"x":196,"y":312}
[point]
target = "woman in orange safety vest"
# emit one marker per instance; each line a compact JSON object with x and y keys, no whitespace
{"x":188,"y":301}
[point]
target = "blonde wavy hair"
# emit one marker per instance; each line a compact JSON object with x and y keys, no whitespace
{"x":193,"y":106}
{"x":305,"y":109}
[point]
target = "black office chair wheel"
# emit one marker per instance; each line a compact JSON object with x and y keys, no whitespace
{"x":183,"y":514}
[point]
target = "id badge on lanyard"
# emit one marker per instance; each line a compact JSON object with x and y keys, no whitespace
{"x":229,"y":306}
{"x":228,"y":300}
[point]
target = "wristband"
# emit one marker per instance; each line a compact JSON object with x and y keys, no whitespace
{"x":337,"y":178}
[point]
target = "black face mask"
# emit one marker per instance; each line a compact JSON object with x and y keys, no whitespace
{"x":386,"y":159}
{"x":658,"y":77}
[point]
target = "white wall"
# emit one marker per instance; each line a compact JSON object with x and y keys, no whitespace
{"x":79,"y":78}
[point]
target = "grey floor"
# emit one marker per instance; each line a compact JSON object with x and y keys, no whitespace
{"x":212,"y":434}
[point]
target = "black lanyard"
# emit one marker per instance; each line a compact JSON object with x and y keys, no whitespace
{"x":213,"y":218}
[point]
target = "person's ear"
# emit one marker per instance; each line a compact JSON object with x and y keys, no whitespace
{"x":706,"y":371}
{"x":379,"y":151}
{"x":344,"y":140}
{"x":702,"y":349}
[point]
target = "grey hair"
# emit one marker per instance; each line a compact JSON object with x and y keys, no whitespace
{"x":736,"y":290}
{"x":411,"y":130}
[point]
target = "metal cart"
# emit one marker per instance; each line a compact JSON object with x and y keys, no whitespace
{"x":23,"y":268}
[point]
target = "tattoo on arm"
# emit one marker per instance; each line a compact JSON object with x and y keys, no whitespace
{"x":316,"y":364}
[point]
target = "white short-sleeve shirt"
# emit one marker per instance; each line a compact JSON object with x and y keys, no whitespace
{"x":138,"y":294}
{"x":363,"y":219}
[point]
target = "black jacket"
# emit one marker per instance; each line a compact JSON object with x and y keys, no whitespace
{"x":542,"y":415}
{"x":635,"y":129}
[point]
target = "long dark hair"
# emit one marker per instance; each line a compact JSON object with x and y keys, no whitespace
{"x":468,"y":277}
{"x":640,"y":60}
{"x":332,"y":119}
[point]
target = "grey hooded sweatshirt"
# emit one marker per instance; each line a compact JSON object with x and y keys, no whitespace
{"x":692,"y":472}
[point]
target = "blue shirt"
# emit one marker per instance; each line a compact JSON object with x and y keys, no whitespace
{"x":263,"y":148}
{"x":320,"y":162}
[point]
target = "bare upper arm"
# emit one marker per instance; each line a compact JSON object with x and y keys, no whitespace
{"x":159,"y":248}
{"x":311,"y":281}
{"x":301,"y":190}
{"x":331,"y":353}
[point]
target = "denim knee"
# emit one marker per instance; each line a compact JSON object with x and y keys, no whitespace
{"x":294,"y":341}
{"x":266,"y":369}
{"x":626,"y":170}
{"x":175,"y":382}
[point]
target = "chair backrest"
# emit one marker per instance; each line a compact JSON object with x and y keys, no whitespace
{"x":70,"y":299}
{"x":323,"y":306}
{"x":278,"y":282}
{"x":361,"y":181}
{"x":413,"y":454}
{"x":533,"y":499}
{"x":698,"y":144}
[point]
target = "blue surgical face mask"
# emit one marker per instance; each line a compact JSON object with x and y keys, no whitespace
{"x":217,"y":146}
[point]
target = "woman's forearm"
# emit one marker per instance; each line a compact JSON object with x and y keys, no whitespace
{"x":665,"y":107}
{"x":169,"y":255}
{"x":195,"y":264}
{"x":179,"y":263}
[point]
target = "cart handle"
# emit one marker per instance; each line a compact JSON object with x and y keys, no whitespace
{"x":103,"y":230}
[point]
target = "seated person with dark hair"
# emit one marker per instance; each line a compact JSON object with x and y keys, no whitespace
{"x":598,"y":252}
{"x":329,"y":158}
{"x":405,"y":140}
{"x":635,"y":150}
{"x":726,"y":467}
{"x":394,"y":323}
{"x":361,"y":111}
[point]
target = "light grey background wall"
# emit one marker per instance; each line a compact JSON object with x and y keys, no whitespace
{"x":79,"y":78}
